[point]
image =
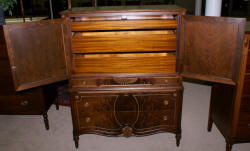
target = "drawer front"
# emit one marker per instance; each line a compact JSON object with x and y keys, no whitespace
{"x":129,"y":81}
{"x":246,"y":88}
{"x":100,"y":103}
{"x":124,"y":16}
{"x":124,"y":63}
{"x":124,"y":41}
{"x":123,"y":25}
{"x":30,"y":103}
{"x":245,"y":104}
{"x":148,"y":120}
{"x":243,"y":127}
{"x":157,"y":102}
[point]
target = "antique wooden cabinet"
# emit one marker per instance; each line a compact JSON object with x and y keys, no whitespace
{"x":230,"y":106}
{"x":126,"y":64}
{"x":31,"y":55}
{"x":126,"y":73}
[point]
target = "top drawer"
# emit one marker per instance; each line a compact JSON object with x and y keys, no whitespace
{"x":123,"y":21}
{"x":123,"y":25}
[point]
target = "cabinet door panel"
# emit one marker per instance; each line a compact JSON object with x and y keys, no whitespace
{"x":38,"y":52}
{"x":210,"y":48}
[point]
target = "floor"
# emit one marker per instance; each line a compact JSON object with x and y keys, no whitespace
{"x":27,"y":133}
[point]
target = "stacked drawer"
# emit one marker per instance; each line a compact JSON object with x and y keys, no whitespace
{"x":124,"y":80}
{"x":110,"y":113}
{"x":243,"y":128}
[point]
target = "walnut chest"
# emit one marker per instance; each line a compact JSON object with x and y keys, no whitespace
{"x":125,"y":64}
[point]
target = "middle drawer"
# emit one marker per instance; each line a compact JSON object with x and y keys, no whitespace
{"x":132,"y":103}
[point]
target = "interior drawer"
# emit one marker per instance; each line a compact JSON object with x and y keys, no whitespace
{"x":123,"y":25}
{"x":124,"y":63}
{"x":124,"y":41}
{"x":124,"y":81}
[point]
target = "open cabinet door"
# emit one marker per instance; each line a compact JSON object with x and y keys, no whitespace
{"x":38,"y":52}
{"x":210,"y":48}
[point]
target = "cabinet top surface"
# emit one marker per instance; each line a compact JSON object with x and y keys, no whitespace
{"x":120,"y":9}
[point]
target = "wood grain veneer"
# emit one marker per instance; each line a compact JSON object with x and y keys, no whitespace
{"x":138,"y":63}
{"x":124,"y":41}
{"x":123,"y":25}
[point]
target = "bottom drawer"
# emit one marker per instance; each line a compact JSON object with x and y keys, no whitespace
{"x":118,"y":120}
{"x":243,"y":127}
{"x":25,"y":103}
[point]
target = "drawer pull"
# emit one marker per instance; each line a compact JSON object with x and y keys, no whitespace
{"x":83,"y":82}
{"x":77,"y":97}
{"x":166,"y":81}
{"x":249,"y":125}
{"x":165,"y":102}
{"x":87,"y":119}
{"x":165,"y":118}
{"x":86,"y":104}
{"x":124,"y":17}
{"x":24,"y":103}
{"x":175,"y":95}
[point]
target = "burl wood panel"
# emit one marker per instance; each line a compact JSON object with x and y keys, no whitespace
{"x":124,"y":41}
{"x":38,"y":52}
{"x":123,"y":63}
{"x":123,"y":25}
{"x":210,"y":48}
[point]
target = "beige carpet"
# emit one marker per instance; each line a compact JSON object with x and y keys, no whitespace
{"x":27,"y":133}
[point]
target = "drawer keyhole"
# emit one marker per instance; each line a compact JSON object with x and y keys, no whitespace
{"x":165,"y":118}
{"x":24,"y":103}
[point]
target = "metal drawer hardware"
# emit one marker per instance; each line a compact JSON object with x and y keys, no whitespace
{"x":87,"y":119}
{"x":77,"y":97}
{"x":249,"y":125}
{"x":83,"y":82}
{"x":165,"y":118}
{"x":86,"y":104}
{"x":124,"y":17}
{"x":24,"y":103}
{"x":13,"y":67}
{"x":166,"y":81}
{"x":175,"y":95}
{"x":165,"y":102}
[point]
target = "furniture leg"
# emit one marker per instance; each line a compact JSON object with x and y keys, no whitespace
{"x":46,"y":121}
{"x":57,"y":104}
{"x":210,"y":123}
{"x":229,"y":146}
{"x":76,"y":139}
{"x":178,"y":137}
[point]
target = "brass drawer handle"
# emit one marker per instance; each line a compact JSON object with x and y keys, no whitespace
{"x":249,"y":125}
{"x":86,"y":104}
{"x":175,"y":94}
{"x":24,"y":103}
{"x":77,"y":97}
{"x":83,"y":82}
{"x":166,"y":81}
{"x":165,"y":118}
{"x":165,"y":102}
{"x":87,"y":119}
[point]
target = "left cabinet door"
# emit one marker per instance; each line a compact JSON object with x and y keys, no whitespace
{"x":38,"y":52}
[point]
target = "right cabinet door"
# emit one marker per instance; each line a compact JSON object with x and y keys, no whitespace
{"x":210,"y":48}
